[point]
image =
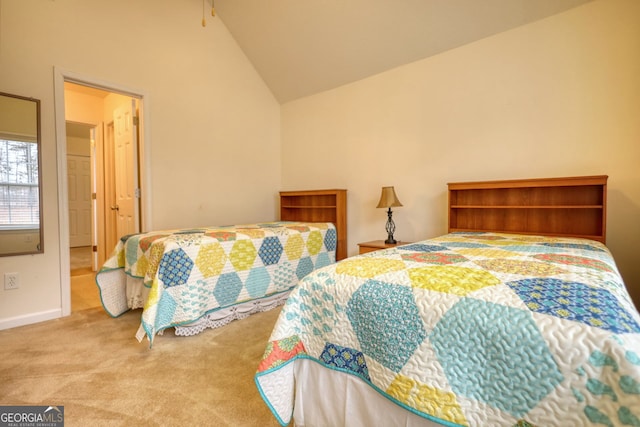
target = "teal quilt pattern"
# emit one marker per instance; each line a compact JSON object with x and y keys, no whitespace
{"x":470,"y":329}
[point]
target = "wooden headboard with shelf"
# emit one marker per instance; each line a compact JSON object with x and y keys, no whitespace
{"x":564,"y":207}
{"x":318,"y":206}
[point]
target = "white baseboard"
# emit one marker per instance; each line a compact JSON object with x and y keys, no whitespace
{"x":28,"y":319}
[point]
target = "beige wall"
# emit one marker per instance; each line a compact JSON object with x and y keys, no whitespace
{"x":18,"y":117}
{"x":559,"y":97}
{"x":214,"y":128}
{"x":79,"y":146}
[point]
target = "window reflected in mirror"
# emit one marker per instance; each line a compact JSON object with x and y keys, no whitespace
{"x":20,"y":195}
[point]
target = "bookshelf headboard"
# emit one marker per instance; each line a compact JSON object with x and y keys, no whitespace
{"x":562,"y":207}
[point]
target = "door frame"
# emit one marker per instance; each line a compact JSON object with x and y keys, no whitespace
{"x":60,"y":77}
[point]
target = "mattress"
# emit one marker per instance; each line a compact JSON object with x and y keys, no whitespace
{"x":468,"y":329}
{"x":182,"y":277}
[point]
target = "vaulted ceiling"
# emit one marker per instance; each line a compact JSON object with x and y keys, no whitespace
{"x":302,"y":47}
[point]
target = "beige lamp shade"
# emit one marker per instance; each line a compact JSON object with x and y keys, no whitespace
{"x":388,"y":198}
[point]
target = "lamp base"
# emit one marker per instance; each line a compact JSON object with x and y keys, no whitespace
{"x":391,"y":228}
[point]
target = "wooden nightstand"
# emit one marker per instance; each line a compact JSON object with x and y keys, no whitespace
{"x":376,"y":245}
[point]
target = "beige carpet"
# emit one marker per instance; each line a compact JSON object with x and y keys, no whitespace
{"x":93,"y":366}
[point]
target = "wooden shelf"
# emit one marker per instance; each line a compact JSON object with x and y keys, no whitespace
{"x":309,"y":207}
{"x":528,"y":207}
{"x":571,"y":207}
{"x":318,"y":206}
{"x":583,"y":236}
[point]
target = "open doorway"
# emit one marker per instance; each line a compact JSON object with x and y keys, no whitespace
{"x":102,"y":144}
{"x":82,"y":179}
{"x":80,"y":175}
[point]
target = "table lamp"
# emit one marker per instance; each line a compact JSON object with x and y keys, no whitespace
{"x":388,"y":199}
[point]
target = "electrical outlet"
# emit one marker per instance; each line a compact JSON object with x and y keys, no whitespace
{"x":11,"y":281}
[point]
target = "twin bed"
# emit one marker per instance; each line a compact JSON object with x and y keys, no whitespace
{"x":193,"y":279}
{"x":517,"y":317}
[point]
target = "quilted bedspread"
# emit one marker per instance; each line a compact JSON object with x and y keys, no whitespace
{"x":471,"y":329}
{"x":193,"y":272}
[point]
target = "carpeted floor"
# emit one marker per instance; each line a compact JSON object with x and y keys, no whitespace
{"x":93,"y":366}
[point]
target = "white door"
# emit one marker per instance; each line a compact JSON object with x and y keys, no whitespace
{"x":126,"y":169}
{"x":79,"y":180}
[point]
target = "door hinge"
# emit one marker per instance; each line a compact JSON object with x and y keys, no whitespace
{"x":94,"y":196}
{"x":137,"y":193}
{"x":136,"y":120}
{"x":94,"y":248}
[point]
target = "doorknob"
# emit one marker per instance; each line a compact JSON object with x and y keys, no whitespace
{"x":115,"y":208}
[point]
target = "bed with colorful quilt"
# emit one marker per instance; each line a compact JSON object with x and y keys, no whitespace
{"x":193,"y":279}
{"x":472,"y":328}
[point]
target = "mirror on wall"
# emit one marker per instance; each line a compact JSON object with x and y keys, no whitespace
{"x":20,"y":178}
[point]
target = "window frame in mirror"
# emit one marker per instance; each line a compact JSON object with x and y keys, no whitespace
{"x":39,"y":245}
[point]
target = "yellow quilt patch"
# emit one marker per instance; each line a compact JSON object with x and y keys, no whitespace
{"x":369,"y":267}
{"x":154,"y":295}
{"x":314,"y":242}
{"x":242,"y":255}
{"x":451,"y":279}
{"x":427,"y":399}
{"x":121,"y":258}
{"x":485,"y":252}
{"x":142,"y":266}
{"x":155,"y":255}
{"x":211,"y":259}
{"x":294,"y":247}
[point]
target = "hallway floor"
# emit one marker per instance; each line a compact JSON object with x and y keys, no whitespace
{"x":84,"y":291}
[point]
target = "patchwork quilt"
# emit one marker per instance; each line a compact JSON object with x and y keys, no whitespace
{"x":190,"y":273}
{"x":470,"y":329}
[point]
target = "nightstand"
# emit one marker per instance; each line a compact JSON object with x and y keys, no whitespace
{"x":376,"y":245}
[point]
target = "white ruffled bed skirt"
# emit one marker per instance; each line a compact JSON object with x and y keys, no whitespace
{"x":225,"y":315}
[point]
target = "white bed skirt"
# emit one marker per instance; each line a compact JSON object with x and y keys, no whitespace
{"x":120,"y":292}
{"x":225,"y":315}
{"x":324,"y":397}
